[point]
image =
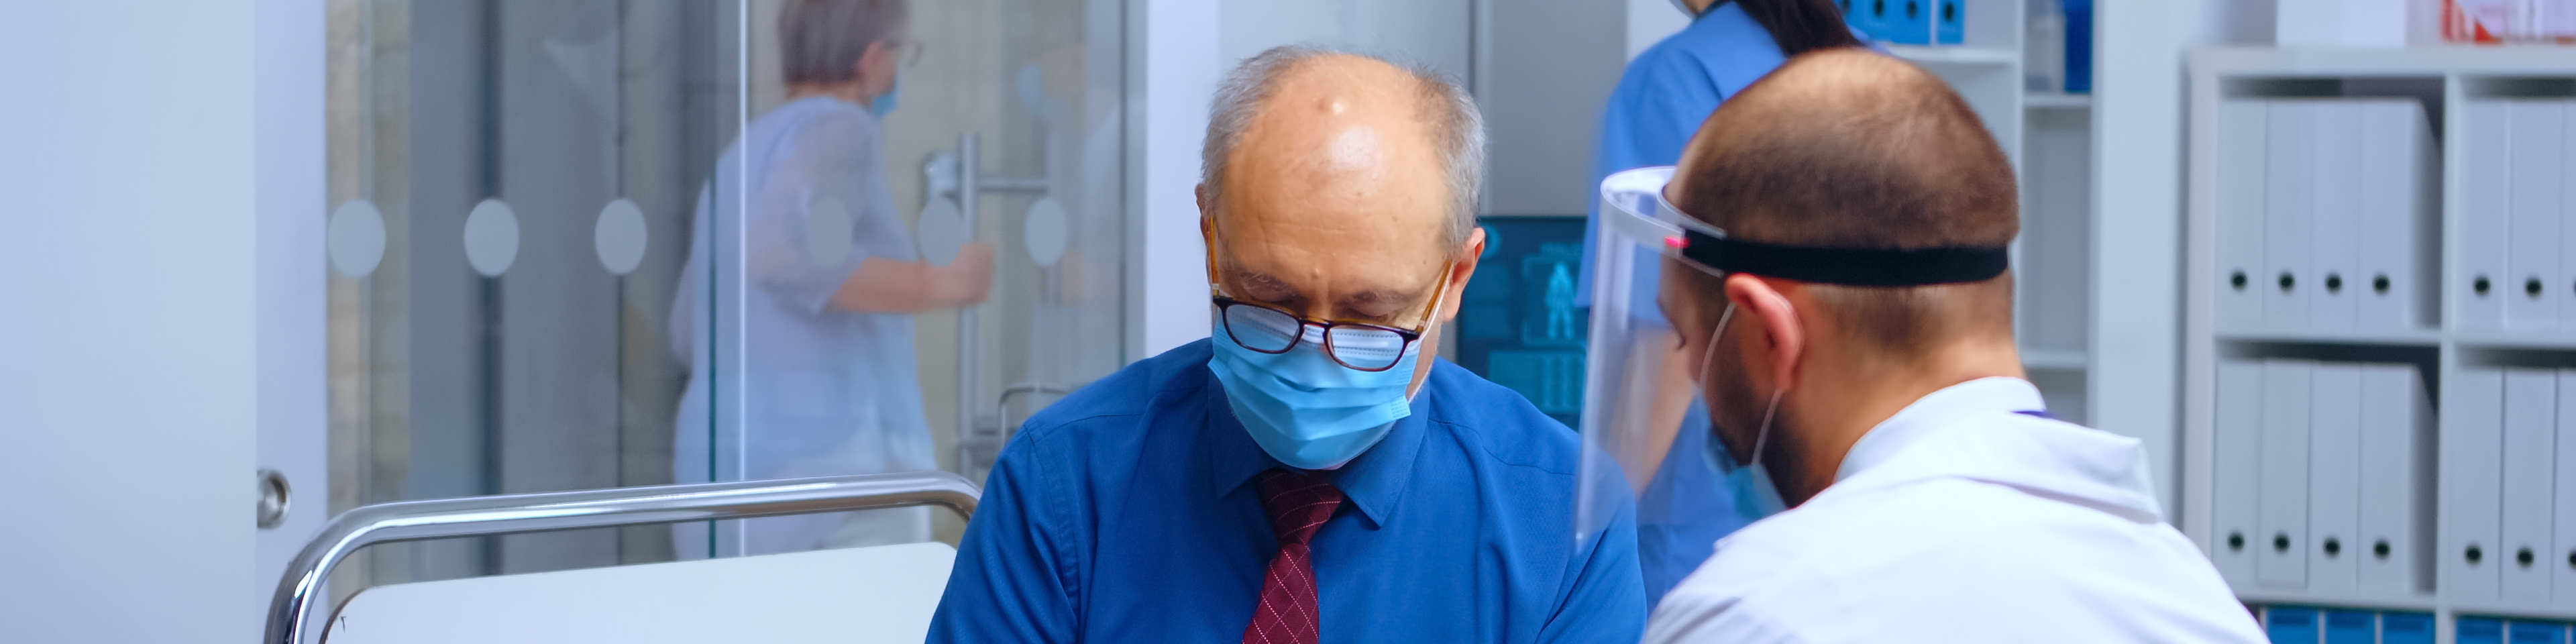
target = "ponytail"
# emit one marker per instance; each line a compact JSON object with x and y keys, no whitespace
{"x":1801,"y":26}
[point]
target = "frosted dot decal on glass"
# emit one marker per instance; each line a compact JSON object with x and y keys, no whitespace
{"x":491,"y":237}
{"x":619,"y":237}
{"x":941,"y":231}
{"x":828,"y":227}
{"x":355,"y":238}
{"x":1043,"y":231}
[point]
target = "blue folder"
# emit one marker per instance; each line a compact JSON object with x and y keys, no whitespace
{"x":2291,"y":625}
{"x":1952,"y":22}
{"x":2535,"y":633}
{"x":2405,"y":628}
{"x":2349,"y":627}
{"x":2474,"y":630}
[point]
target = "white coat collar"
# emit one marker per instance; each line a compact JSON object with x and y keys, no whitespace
{"x":1974,"y":431}
{"x":1941,"y":408}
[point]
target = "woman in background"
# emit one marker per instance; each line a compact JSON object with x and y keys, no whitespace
{"x":829,"y":282}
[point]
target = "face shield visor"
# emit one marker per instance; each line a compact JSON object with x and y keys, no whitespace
{"x":1646,"y":437}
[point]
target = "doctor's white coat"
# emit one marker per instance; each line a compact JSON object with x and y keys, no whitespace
{"x":1961,"y":520}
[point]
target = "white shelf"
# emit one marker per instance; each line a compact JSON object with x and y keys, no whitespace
{"x":2055,"y":359}
{"x":2508,"y":340}
{"x":2057,"y":101}
{"x":1956,"y":55}
{"x":2383,"y":62}
{"x":2421,"y":337}
{"x":2411,"y":603}
{"x":2443,"y":77}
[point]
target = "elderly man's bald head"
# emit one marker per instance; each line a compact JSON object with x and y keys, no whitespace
{"x":1852,"y":149}
{"x":1290,"y":92}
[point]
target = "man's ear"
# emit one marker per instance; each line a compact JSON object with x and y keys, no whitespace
{"x":872,"y":55}
{"x":1784,"y":336}
{"x":1456,"y":286}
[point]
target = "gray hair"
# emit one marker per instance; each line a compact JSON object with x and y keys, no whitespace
{"x":1457,"y":127}
{"x":819,"y":41}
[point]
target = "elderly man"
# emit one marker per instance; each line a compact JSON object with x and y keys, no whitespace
{"x":1844,"y":296}
{"x":1305,"y":474}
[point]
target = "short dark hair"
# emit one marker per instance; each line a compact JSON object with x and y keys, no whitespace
{"x":820,"y":41}
{"x":1852,"y":149}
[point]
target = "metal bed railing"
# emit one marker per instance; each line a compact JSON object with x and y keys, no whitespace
{"x":290,"y":611}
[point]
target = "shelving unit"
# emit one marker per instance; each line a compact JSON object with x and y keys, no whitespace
{"x":2445,"y":350}
{"x":2049,"y":139}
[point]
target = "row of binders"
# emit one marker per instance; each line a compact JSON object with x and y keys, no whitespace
{"x":2326,"y":214}
{"x":2488,"y":630}
{"x":2304,"y":625}
{"x":2508,"y":537}
{"x":2517,"y":241}
{"x":1908,"y":22}
{"x":2319,"y":477}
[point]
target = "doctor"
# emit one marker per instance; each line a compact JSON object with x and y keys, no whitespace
{"x":1843,"y":287}
{"x":831,"y":281}
{"x":1683,"y":506}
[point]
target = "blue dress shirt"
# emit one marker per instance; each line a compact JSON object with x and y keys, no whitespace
{"x":1126,"y":513}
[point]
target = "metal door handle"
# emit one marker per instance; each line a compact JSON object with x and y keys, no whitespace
{"x":274,"y":497}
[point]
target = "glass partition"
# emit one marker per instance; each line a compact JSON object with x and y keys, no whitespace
{"x":598,"y":243}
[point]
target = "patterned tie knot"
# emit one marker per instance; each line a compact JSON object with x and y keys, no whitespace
{"x":1299,"y":504}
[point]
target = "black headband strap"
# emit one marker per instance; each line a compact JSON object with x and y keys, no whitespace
{"x":1847,"y":266}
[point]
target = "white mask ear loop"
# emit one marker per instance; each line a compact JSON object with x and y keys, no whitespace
{"x":1761,"y":436}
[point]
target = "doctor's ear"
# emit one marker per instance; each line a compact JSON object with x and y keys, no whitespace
{"x":1784,"y":336}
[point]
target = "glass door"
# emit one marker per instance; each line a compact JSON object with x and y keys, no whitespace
{"x":596,"y":243}
{"x":925,"y":246}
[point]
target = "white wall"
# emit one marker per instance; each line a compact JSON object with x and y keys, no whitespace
{"x":1650,"y":21}
{"x":126,"y":318}
{"x":1436,"y":33}
{"x":1547,"y":69}
{"x":292,"y":430}
{"x":2137,"y":296}
{"x":1174,"y":64}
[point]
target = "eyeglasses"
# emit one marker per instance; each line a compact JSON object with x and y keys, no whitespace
{"x":907,"y":52}
{"x":1358,"y":345}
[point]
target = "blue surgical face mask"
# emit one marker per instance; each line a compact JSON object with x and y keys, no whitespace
{"x":884,"y":103}
{"x":1755,"y":495}
{"x":1305,"y":409}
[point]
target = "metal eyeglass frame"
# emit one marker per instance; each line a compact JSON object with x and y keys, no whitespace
{"x":1216,"y":295}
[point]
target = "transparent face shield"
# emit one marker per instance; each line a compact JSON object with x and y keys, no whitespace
{"x":1646,"y":436}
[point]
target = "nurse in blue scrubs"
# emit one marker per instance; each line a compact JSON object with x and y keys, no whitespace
{"x":1685,"y":504}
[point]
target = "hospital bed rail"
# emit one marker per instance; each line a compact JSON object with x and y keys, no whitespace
{"x":290,"y":609}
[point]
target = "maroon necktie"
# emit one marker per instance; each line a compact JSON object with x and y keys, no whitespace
{"x":1298,"y":505}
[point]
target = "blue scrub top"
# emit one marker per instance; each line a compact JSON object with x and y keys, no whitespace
{"x":1668,"y":90}
{"x":1126,"y":513}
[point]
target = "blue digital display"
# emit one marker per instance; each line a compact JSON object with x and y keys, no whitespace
{"x":1517,"y":322}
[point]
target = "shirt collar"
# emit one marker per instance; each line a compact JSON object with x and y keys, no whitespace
{"x":1933,"y":412}
{"x":1374,"y":482}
